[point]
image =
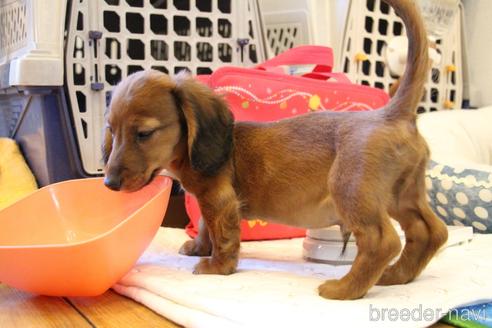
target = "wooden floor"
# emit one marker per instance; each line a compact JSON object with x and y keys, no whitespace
{"x":19,"y":309}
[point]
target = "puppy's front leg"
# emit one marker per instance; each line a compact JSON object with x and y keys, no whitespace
{"x":220,"y":210}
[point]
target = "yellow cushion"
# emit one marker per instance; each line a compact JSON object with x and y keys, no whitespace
{"x":16,"y":180}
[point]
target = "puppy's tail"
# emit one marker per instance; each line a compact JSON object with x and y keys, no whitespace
{"x":404,"y":103}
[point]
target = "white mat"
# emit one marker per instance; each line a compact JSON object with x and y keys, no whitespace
{"x":274,"y":287}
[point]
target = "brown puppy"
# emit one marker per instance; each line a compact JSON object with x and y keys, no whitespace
{"x":313,"y":171}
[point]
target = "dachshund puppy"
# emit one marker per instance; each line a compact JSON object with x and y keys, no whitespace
{"x":315,"y":170}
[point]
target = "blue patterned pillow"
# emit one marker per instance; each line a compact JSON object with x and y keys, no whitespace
{"x":461,"y":196}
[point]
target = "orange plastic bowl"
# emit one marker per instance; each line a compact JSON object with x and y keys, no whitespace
{"x":78,"y":238}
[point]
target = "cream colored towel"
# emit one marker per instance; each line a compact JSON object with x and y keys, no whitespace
{"x":275,"y":287}
{"x":16,"y":180}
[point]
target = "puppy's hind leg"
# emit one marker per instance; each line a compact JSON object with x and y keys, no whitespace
{"x":201,"y":245}
{"x":377,"y":240}
{"x":425,"y":233}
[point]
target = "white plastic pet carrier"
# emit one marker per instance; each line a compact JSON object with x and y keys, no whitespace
{"x":291,"y":23}
{"x":111,"y":39}
{"x":85,"y":47}
{"x":371,"y":24}
{"x":31,"y":42}
{"x":368,"y":27}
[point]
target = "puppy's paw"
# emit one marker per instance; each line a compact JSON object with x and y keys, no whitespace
{"x":209,"y":266}
{"x":192,"y":248}
{"x":393,"y":276}
{"x":338,"y":290}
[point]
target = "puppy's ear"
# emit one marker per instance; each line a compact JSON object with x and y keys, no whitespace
{"x":107,"y":145}
{"x":209,"y":124}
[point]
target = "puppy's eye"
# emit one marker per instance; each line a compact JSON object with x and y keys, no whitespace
{"x":144,"y":135}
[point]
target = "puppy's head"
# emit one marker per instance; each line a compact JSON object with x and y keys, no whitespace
{"x":150,"y":115}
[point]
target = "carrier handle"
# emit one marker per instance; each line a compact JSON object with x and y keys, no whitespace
{"x":320,"y":56}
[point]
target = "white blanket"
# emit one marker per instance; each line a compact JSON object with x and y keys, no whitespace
{"x":275,"y":287}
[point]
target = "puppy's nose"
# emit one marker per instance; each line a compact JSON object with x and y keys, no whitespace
{"x":112,"y":182}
